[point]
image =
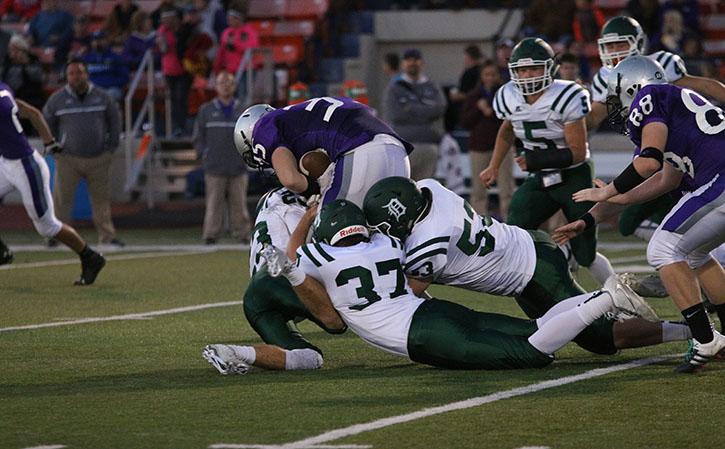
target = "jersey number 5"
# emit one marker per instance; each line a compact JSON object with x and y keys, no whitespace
{"x":529,"y":128}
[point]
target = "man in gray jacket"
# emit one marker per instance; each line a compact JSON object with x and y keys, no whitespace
{"x":414,"y":106}
{"x":87,"y":122}
{"x":225,"y":174}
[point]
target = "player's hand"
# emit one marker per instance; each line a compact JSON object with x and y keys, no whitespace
{"x":567,"y":232}
{"x":521,"y":162}
{"x":488,"y":176}
{"x":595,"y":194}
{"x":53,"y":147}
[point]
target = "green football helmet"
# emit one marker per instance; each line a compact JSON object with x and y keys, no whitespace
{"x":531,"y":52}
{"x":338,"y":220}
{"x":621,"y":29}
{"x":393,"y":205}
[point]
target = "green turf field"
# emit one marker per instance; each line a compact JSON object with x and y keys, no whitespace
{"x":138,"y":380}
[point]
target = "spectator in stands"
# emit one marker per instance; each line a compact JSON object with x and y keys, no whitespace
{"x":235,"y":40}
{"x":19,"y":10}
{"x":480,"y":119}
{"x":213,"y":18}
{"x":89,"y":123}
{"x":414,"y":105}
{"x":550,"y":19}
{"x":52,"y":27}
{"x":472,"y":58}
{"x":141,"y":39}
{"x":569,"y":68}
{"x":5,"y":37}
{"x":23,"y":73}
{"x":118,"y":23}
{"x":225,"y":173}
{"x":82,"y":37}
{"x":588,"y":20}
{"x":647,"y":13}
{"x":673,"y":31}
{"x":689,"y":11}
{"x":164,"y":5}
{"x":195,"y":59}
{"x":391,"y":65}
{"x":692,"y":53}
{"x":171,"y":40}
{"x":106,"y":68}
{"x":504,"y":47}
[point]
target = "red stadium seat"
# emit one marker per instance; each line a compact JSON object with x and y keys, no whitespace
{"x":306,"y":8}
{"x":294,"y":28}
{"x":266,"y":9}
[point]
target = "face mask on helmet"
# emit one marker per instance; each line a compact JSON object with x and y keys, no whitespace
{"x":610,"y":58}
{"x":243,"y":130}
{"x":533,"y":84}
{"x":624,"y":83}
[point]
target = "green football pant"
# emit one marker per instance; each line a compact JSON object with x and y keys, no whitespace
{"x":532,"y":205}
{"x":654,"y":210}
{"x":551,"y":284}
{"x":449,"y":335}
{"x":270,"y":305}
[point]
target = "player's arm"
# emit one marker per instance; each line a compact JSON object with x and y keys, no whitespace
{"x":706,"y":86}
{"x":31,"y":113}
{"x":315,"y":298}
{"x":597,"y":115}
{"x":649,"y":161}
{"x":419,"y":286}
{"x":575,"y":135}
{"x":285,"y":166}
{"x":504,"y":142}
{"x":299,"y":235}
{"x":666,"y":180}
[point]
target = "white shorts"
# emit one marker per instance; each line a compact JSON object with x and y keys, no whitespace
{"x":31,"y":177}
{"x":693,"y":228}
{"x":358,"y":169}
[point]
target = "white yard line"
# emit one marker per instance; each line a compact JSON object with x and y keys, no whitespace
{"x":637,"y":269}
{"x":628,"y":259}
{"x":621,"y":246}
{"x":53,"y":263}
{"x":131,"y":316}
{"x":52,"y":446}
{"x":356,"y":429}
{"x":133,"y":248}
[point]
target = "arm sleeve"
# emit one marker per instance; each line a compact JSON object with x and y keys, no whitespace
{"x":306,"y":263}
{"x":599,"y":88}
{"x":576,"y":105}
{"x":500,"y":105}
{"x":426,"y":263}
{"x":673,"y":64}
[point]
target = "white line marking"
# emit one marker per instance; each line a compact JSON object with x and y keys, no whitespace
{"x":131,"y":316}
{"x":628,"y":259}
{"x":53,"y":263}
{"x":535,"y":447}
{"x":133,"y":248}
{"x":52,"y":446}
{"x":634,"y":269}
{"x":460,"y":405}
{"x":621,"y":246}
{"x":272,"y":446}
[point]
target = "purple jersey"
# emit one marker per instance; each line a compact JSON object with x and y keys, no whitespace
{"x":336,"y":124}
{"x":13,"y":144}
{"x":695,"y":130}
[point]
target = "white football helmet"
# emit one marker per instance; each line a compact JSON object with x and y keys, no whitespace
{"x":243,"y":133}
{"x":626,"y":80}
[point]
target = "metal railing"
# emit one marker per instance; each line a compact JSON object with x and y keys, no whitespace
{"x":259,"y":86}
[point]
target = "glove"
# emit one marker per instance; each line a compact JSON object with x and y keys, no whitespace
{"x":52,"y":147}
{"x":326,"y":178}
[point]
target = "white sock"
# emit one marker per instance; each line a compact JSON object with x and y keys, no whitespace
{"x":564,"y":327}
{"x":645,"y":230}
{"x":562,"y":307}
{"x":247,"y":353}
{"x":674,"y":331}
{"x":600,"y":268}
{"x":297,"y":359}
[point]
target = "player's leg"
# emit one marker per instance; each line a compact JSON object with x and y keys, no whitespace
{"x":359,"y":169}
{"x":531,"y":205}
{"x":711,"y":278}
{"x":99,"y":191}
{"x":447,"y":335}
{"x":6,"y":256}
{"x":584,"y":246}
{"x":32,"y":179}
{"x":694,"y":227}
{"x":632,"y":219}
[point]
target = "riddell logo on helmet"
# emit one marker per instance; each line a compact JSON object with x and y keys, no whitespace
{"x":352,"y":230}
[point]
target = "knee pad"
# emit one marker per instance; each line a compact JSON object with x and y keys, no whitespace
{"x":663,"y":249}
{"x":298,"y":359}
{"x":48,"y":225}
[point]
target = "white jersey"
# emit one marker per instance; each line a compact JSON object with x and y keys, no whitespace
{"x":674,"y":69}
{"x":540,"y":126}
{"x":367,"y":287}
{"x":278,"y":213}
{"x":452,"y":245}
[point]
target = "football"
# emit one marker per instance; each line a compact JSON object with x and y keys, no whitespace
{"x":314,"y":163}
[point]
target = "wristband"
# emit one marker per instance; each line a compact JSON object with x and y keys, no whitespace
{"x":295,"y":275}
{"x":588,"y":220}
{"x":628,"y":179}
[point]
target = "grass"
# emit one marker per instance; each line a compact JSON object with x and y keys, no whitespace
{"x":142,"y":383}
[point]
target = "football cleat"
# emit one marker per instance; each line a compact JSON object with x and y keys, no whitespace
{"x":224,"y":359}
{"x":6,"y":256}
{"x":649,"y":286}
{"x":627,"y":303}
{"x":698,"y":354}
{"x":90,"y":267}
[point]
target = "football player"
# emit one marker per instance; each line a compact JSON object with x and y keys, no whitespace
{"x":446,"y":242}
{"x":22,"y":168}
{"x":360,"y":279}
{"x":679,"y":136}
{"x":546,"y":118}
{"x":270,"y":305}
{"x":361,"y":147}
